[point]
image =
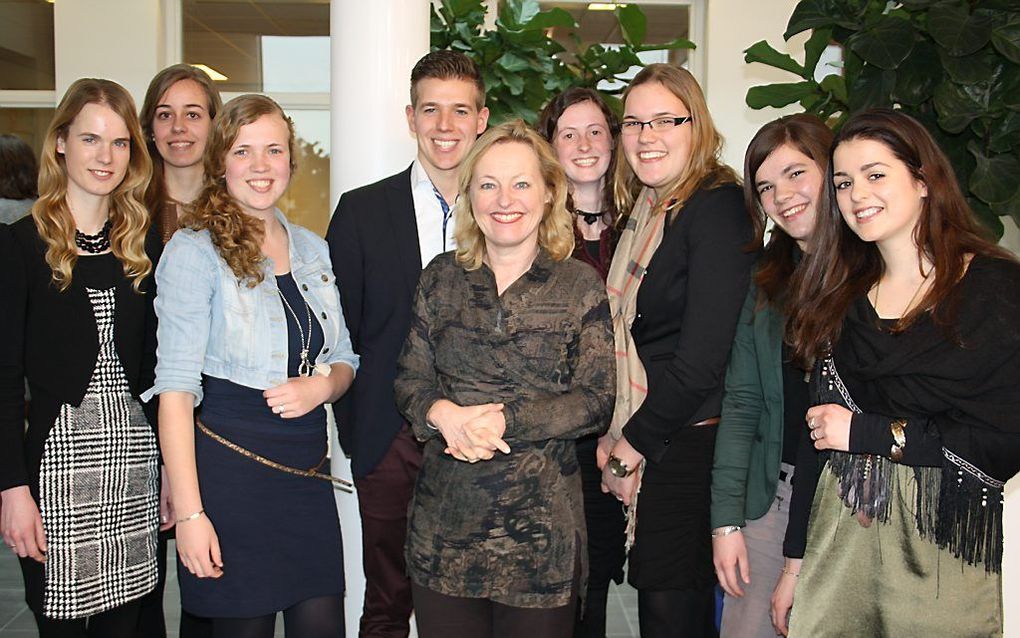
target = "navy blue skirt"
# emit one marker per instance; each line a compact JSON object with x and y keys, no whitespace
{"x":279,"y":533}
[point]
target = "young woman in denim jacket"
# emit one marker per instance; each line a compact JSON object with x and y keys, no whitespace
{"x":250,"y":326}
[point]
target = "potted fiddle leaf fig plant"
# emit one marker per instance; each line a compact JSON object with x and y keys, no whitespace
{"x":952,"y":64}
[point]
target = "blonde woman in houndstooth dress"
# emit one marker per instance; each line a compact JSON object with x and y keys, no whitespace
{"x":81,"y":485}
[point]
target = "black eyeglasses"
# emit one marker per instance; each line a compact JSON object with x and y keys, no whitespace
{"x":634,"y":127}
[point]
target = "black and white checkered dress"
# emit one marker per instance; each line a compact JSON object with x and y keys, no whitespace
{"x":98,"y":491}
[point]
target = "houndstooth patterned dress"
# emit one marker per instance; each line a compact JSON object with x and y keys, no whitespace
{"x":98,"y":491}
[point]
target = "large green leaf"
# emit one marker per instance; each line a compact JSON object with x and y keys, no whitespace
{"x":916,"y":76}
{"x":1009,"y":208}
{"x":778,"y":95}
{"x":994,"y":179}
{"x":959,"y":32}
{"x":679,"y":43}
{"x":1005,"y":135}
{"x":971,"y":69}
{"x":885,"y":43}
{"x":956,"y":106}
{"x":513,"y":62}
{"x":1006,"y":88}
{"x":873,"y":87}
{"x":633,"y":24}
{"x":763,"y":52}
{"x":814,"y":48}
{"x":514,"y":14}
{"x":835,"y":85}
{"x":808,"y":14}
{"x":555,"y":17}
{"x":1006,"y":39}
{"x":987,"y":216}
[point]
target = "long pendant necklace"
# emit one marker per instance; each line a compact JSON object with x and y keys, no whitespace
{"x":94,"y":244}
{"x":305,"y":368}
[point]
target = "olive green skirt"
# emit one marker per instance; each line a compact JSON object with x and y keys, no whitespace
{"x":883,"y":579}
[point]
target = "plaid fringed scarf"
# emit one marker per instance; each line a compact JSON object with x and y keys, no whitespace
{"x":640,"y":238}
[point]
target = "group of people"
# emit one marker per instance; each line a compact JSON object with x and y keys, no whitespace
{"x":551,"y":351}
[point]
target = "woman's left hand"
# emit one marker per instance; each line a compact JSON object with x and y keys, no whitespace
{"x":624,"y":489}
{"x":298,"y":396}
{"x":829,"y":427}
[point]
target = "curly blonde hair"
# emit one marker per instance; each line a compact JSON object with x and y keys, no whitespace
{"x":555,"y":231}
{"x":703,"y":168}
{"x":128,"y":218}
{"x":236,"y":235}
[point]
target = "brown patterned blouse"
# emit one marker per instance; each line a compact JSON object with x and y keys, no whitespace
{"x":510,"y":529}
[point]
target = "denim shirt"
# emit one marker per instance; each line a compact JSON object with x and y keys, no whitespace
{"x":210,"y":323}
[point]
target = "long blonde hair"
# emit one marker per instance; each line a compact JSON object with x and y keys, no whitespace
{"x":555,"y":231}
{"x":703,"y":168}
{"x":128,"y":217}
{"x":236,"y":235}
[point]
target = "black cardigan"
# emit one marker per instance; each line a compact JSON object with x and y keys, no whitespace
{"x":50,"y":338}
{"x":687,"y":311}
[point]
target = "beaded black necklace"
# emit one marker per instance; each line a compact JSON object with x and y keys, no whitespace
{"x":94,"y":244}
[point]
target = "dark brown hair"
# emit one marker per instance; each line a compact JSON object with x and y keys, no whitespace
{"x":447,"y":65}
{"x":549,"y":119}
{"x":703,"y":168}
{"x":841,"y":266}
{"x":155,"y":196}
{"x":810,"y":136}
{"x":18,"y":169}
{"x":236,"y":235}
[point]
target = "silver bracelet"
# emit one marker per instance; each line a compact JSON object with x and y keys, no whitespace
{"x":726,"y":531}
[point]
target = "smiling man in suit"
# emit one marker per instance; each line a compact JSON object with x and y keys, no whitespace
{"x":380,"y":238}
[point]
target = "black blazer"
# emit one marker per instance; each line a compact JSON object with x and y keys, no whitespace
{"x":687,"y":311}
{"x":50,"y":338}
{"x":373,"y":243}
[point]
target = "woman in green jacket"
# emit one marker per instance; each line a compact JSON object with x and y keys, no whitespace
{"x":766,"y":395}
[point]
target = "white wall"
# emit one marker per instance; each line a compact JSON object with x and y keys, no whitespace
{"x":734,"y":25}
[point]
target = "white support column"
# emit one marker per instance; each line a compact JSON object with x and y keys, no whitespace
{"x":112,"y":39}
{"x":374,"y":46}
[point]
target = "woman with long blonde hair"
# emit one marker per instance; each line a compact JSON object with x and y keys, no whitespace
{"x":676,"y":286}
{"x":80,"y":487}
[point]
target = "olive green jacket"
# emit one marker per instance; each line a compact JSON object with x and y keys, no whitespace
{"x":749,"y":444}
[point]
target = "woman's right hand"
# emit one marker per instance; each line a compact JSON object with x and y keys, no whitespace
{"x":22,"y":524}
{"x":729,"y":553}
{"x":782,"y":595}
{"x":450,"y":419}
{"x":199,"y":547}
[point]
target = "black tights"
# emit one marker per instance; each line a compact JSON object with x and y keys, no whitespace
{"x":677,"y":613}
{"x":118,"y":622}
{"x":321,"y":617}
{"x":592,"y":623}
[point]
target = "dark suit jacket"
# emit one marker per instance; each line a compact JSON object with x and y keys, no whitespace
{"x":687,"y":310}
{"x":373,"y":242}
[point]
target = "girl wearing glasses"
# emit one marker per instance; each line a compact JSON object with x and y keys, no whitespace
{"x":676,"y":286}
{"x":580,"y":127}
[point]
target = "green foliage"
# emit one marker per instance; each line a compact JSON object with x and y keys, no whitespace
{"x":952,"y":64}
{"x":522,"y":66}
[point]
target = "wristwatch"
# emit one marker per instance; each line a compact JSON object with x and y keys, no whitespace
{"x":618,"y":468}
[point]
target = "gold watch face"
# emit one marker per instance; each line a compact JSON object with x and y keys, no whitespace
{"x":617,"y":468}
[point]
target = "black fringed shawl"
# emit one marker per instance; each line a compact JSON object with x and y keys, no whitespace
{"x":963,"y":383}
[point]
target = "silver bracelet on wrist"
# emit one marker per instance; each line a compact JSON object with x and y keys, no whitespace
{"x":726,"y":531}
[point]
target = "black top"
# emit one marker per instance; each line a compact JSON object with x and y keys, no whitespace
{"x":795,"y":406}
{"x":50,"y":339}
{"x":687,"y":311}
{"x":955,"y":387}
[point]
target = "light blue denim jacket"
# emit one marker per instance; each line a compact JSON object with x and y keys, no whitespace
{"x":210,"y":323}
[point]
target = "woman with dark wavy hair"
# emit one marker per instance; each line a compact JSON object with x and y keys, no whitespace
{"x":80,"y":487}
{"x":909,"y":315}
{"x":581,"y":127}
{"x":250,"y":326}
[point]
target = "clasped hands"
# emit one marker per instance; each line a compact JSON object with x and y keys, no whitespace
{"x":473,"y":432}
{"x":624,"y":489}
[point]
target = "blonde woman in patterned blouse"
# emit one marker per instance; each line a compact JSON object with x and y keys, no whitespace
{"x":509,"y":359}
